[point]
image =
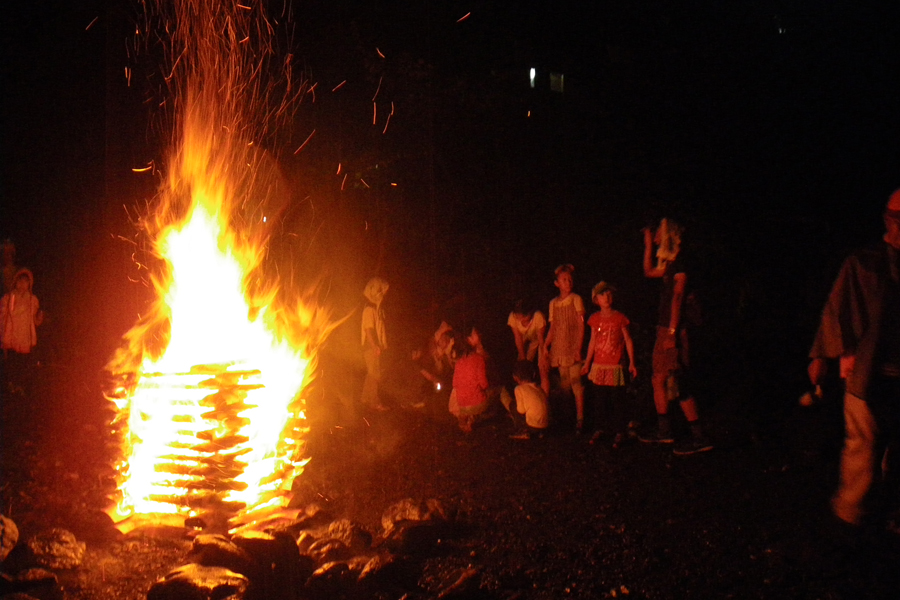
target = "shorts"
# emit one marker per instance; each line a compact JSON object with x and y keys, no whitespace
{"x":671,"y":362}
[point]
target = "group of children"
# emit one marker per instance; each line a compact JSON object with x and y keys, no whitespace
{"x":609,"y":342}
{"x":456,"y":367}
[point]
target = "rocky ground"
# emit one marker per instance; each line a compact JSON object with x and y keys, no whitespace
{"x":541,"y":519}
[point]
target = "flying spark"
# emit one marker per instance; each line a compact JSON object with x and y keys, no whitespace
{"x":305,"y":142}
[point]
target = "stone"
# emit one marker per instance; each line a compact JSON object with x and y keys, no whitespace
{"x":198,"y":582}
{"x":413,"y":510}
{"x":352,"y":534}
{"x":404,"y":510}
{"x":9,"y":536}
{"x":278,"y":557}
{"x":40,"y":584}
{"x":57,"y":548}
{"x":417,"y":538}
{"x":305,"y":540}
{"x":214,"y":550}
{"x":328,"y":550}
{"x":329,"y":581}
{"x":377,"y":568}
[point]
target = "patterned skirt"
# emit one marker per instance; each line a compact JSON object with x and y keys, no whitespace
{"x":612,"y":375}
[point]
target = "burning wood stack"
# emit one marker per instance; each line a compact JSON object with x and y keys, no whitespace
{"x":210,"y":381}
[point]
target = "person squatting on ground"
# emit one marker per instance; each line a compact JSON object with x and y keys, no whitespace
{"x":603,"y":365}
{"x":374,"y":341}
{"x":496,"y":392}
{"x":860,"y":327}
{"x":528,"y":326}
{"x":531,"y":403}
{"x":671,"y":360}
{"x":566,"y":337}
{"x":435,"y":365}
{"x":470,"y":384}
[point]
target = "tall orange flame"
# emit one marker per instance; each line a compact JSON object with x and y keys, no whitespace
{"x":209,"y":398}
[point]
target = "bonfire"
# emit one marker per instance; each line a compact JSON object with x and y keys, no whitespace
{"x":209,"y":383}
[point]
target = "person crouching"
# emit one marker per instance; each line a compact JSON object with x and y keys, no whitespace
{"x":531,"y":402}
{"x":470,"y":384}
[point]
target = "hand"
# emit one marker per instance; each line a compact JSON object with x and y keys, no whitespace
{"x":816,"y":370}
{"x":847,"y":364}
{"x":632,"y":370}
{"x":585,"y":369}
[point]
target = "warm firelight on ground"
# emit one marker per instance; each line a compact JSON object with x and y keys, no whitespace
{"x":209,"y":404}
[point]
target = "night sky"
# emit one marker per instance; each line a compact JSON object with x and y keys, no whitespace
{"x":768,"y":128}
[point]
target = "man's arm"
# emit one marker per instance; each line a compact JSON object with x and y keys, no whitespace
{"x":629,"y":349}
{"x":520,"y":342}
{"x":677,"y":301}
{"x":649,"y":269}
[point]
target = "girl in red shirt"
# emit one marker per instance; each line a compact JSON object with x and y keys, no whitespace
{"x":603,"y":363}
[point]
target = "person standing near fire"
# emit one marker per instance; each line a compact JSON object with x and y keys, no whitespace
{"x":565,"y":338}
{"x":610,"y":340}
{"x":20,"y":314}
{"x":860,"y":327}
{"x":671,"y":360}
{"x":374,"y":341}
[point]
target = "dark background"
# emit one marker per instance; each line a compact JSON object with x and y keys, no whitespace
{"x":769,"y":129}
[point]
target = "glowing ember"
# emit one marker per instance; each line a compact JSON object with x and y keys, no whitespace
{"x":209,"y":405}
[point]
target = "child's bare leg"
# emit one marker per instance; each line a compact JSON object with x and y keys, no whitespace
{"x":660,"y":397}
{"x":578,"y":392}
{"x":544,"y":370}
{"x":689,"y":408}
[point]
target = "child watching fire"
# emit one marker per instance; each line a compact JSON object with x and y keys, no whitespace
{"x":566,"y":337}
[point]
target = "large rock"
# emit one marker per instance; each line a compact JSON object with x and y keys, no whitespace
{"x":196,"y":582}
{"x":280,"y":569}
{"x":213,"y":550}
{"x":331,"y":580}
{"x":329,"y":550}
{"x":40,"y":584}
{"x":352,"y":534}
{"x":413,"y":510}
{"x":9,"y":536}
{"x":416,"y":538}
{"x":57,"y":548}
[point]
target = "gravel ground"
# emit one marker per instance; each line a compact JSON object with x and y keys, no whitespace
{"x":551,"y":518}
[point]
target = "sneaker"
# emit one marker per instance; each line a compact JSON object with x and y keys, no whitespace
{"x":520,"y":436}
{"x":694,"y":446}
{"x":657,"y":437}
